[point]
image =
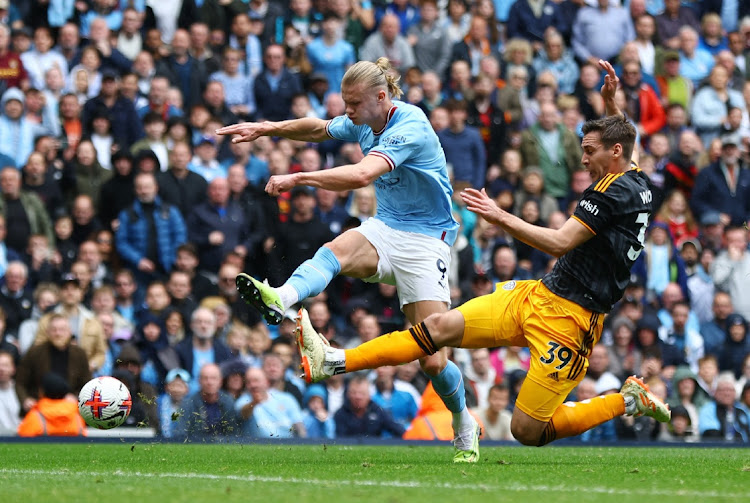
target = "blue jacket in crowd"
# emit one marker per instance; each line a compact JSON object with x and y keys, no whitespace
{"x":132,"y":235}
{"x":712,"y":193}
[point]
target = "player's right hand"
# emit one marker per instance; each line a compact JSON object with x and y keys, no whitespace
{"x":483,"y":205}
{"x":245,"y":131}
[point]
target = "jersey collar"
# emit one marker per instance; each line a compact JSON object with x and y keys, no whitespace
{"x":387,"y":121}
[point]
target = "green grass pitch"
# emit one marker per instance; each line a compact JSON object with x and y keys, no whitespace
{"x":142,"y":472}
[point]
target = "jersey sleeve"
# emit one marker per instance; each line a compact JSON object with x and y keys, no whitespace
{"x":341,"y":128}
{"x":399,"y":144}
{"x":595,"y":209}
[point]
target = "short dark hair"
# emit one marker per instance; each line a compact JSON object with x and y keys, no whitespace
{"x":613,"y":129}
{"x":454,"y":104}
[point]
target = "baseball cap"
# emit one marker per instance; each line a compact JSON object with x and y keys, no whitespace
{"x":70,"y":278}
{"x":121,"y":334}
{"x":175,"y":373}
{"x":109,"y":74}
{"x":710,"y":218}
{"x":206,"y":139}
{"x":12,"y":94}
{"x":693,"y":242}
{"x":671,"y":56}
{"x":607,"y":382}
{"x":318,"y":76}
{"x":731,"y":139}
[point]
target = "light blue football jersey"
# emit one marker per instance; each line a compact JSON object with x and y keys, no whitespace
{"x":416,"y":195}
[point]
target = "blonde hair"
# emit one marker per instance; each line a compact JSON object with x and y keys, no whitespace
{"x":519,"y":44}
{"x":378,"y":74}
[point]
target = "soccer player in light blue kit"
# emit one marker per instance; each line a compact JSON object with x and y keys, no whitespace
{"x":406,"y":244}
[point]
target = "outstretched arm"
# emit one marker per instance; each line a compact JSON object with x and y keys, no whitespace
{"x":348,"y":177}
{"x":306,"y":129}
{"x":553,"y":242}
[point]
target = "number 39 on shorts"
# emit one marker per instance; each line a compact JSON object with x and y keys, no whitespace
{"x":557,"y":352}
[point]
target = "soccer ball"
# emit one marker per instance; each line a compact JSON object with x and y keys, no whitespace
{"x":104,"y":403}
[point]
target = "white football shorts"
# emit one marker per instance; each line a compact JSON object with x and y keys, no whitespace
{"x":416,"y":264}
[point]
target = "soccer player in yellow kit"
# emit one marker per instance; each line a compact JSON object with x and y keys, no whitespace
{"x":558,"y":317}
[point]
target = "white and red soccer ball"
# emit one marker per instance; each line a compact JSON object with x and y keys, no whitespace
{"x":104,"y":402}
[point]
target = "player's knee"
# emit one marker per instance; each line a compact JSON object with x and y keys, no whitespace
{"x":433,"y":364}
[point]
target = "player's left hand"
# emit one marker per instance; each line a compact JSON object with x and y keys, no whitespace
{"x":280,"y":183}
{"x":481,"y":204}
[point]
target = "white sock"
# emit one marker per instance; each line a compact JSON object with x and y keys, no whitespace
{"x":462,"y":420}
{"x":630,"y":407}
{"x":335,"y":361}
{"x":288,"y":295}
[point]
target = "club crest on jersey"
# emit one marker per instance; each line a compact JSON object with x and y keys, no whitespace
{"x":395,"y":139}
{"x":510,"y":285}
{"x":591,"y":208}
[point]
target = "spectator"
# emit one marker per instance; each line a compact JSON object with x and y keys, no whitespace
{"x":15,"y":296}
{"x":624,"y":356}
{"x":317,"y":420}
{"x":550,"y":146}
{"x":714,"y":332}
{"x":301,"y":235}
{"x":180,"y":186}
{"x":278,"y":379}
{"x":155,"y":140}
{"x":202,"y":348}
{"x":721,"y":419}
{"x":660,"y":263}
{"x":463,"y":146}
{"x":209,"y":413}
{"x":238,"y":87}
{"x":268,"y":413}
{"x":126,"y":126}
{"x":700,"y":285}
{"x":118,"y":192}
{"x":429,"y":39}
{"x":244,"y":38}
{"x":688,"y":342}
{"x":495,"y":416}
{"x":695,"y":62}
{"x":187,"y":262}
{"x":669,"y":23}
{"x":736,"y":346}
{"x":46,"y":296}
{"x":473,"y":47}
{"x":642,"y":102}
{"x":87,"y":331}
{"x":17,"y":133}
{"x":330,"y":54}
{"x":129,"y":38}
{"x":171,"y":402}
{"x":481,"y":375}
{"x":558,"y":60}
{"x":41,"y":58}
{"x":600,"y":32}
{"x":724,"y":186}
{"x":55,"y":414}
{"x":712,"y":37}
{"x":275,"y":86}
{"x":711,"y":105}
{"x":360,"y":416}
{"x":399,"y":404}
{"x":12,"y":71}
{"x":529,"y":19}
{"x":10,"y":407}
{"x":56,"y":353}
{"x":389,"y":42}
{"x":150,"y":231}
{"x":185,"y":72}
{"x":204,"y":162}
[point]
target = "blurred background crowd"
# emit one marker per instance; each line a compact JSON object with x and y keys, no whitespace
{"x":124,"y":218}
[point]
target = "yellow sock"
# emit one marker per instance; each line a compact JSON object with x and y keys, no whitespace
{"x":394,"y":348}
{"x":573,"y":418}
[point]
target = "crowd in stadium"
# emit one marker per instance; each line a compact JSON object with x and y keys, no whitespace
{"x":124,"y":217}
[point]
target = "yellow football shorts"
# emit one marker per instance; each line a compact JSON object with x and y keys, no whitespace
{"x":559,"y":334}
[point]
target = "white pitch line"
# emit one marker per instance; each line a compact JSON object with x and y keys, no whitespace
{"x":513,"y":487}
